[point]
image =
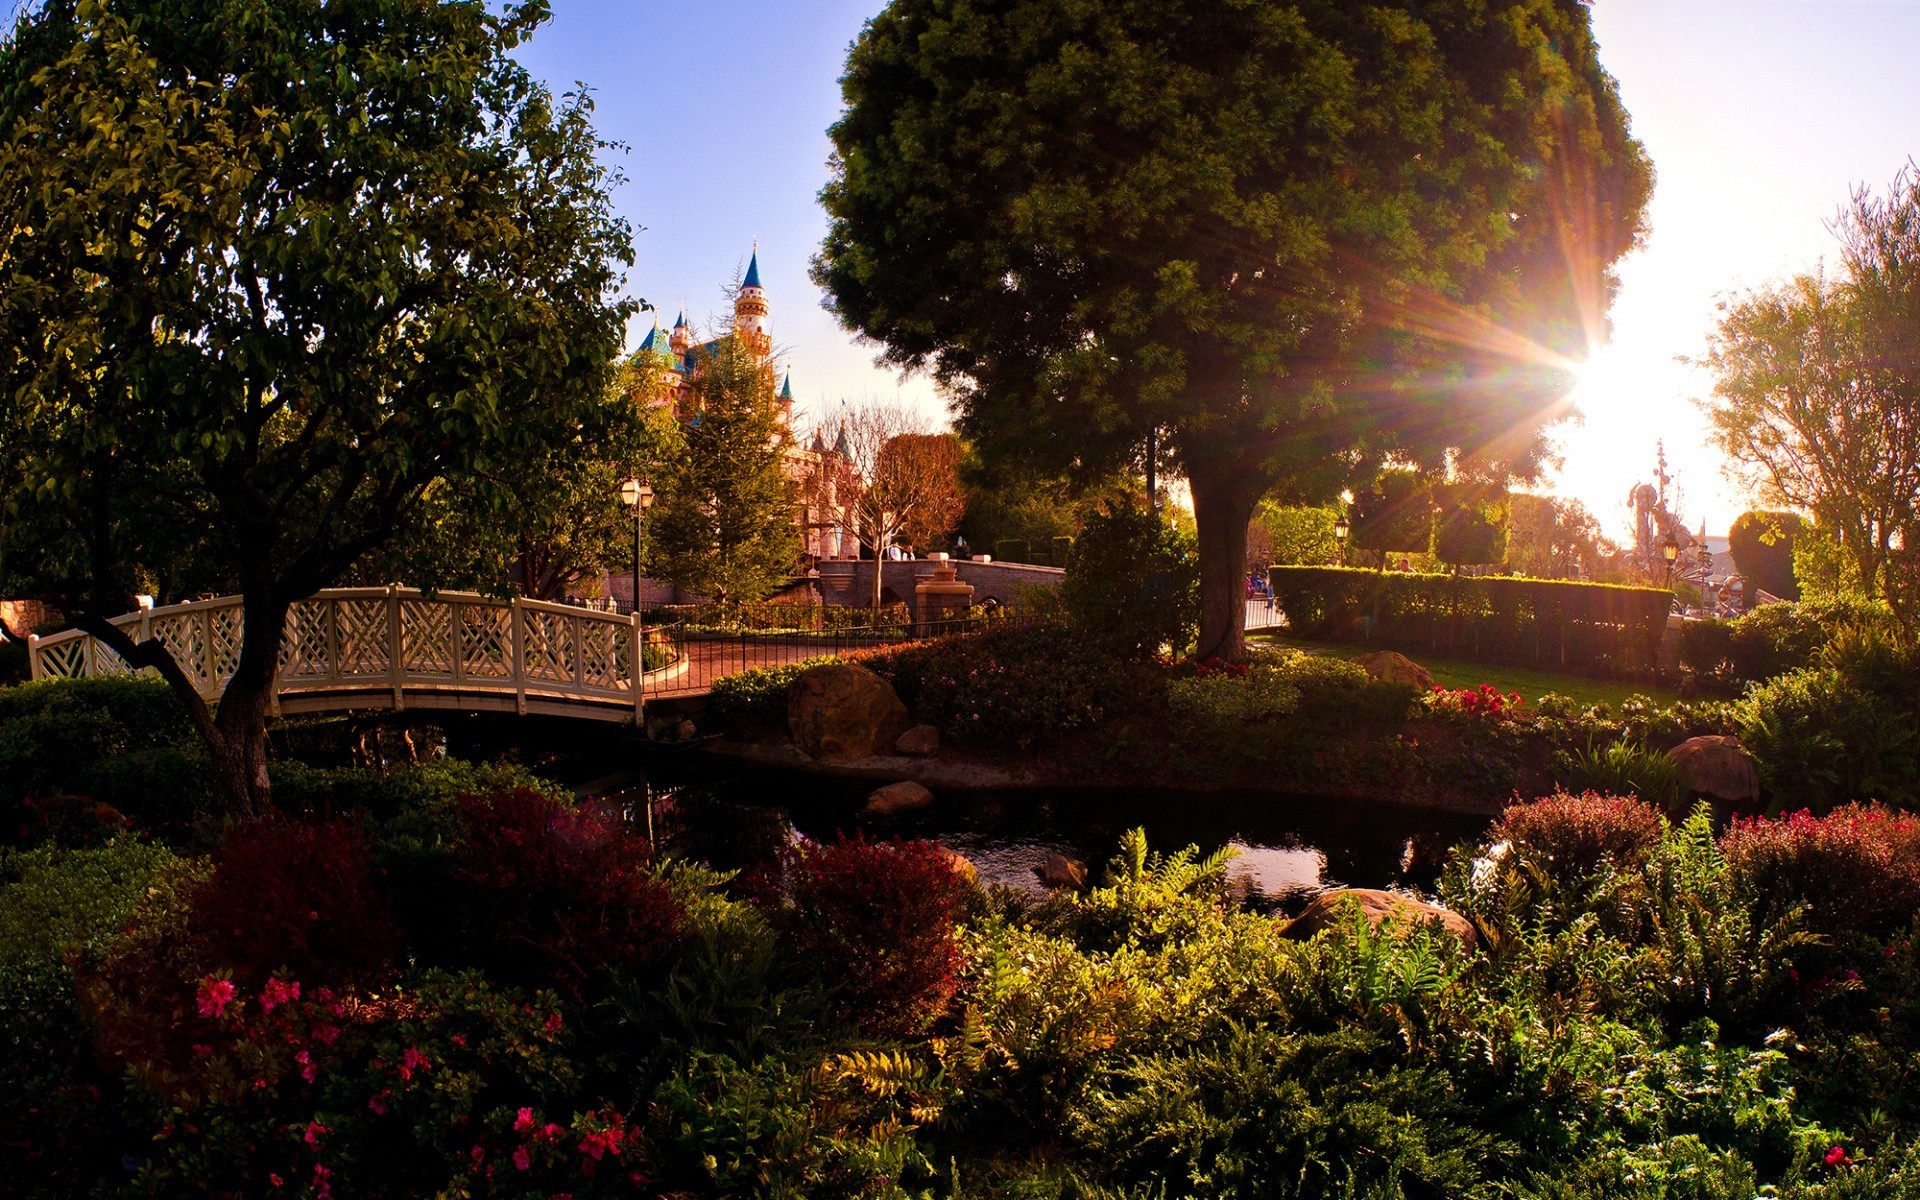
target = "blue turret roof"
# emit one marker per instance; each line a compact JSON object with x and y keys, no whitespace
{"x":680,"y":322}
{"x":753,"y":271}
{"x":657,"y":343}
{"x":786,"y":389}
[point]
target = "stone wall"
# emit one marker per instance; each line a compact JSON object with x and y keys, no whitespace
{"x":851,"y":583}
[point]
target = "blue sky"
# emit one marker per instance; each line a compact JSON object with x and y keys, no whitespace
{"x":1759,"y":115}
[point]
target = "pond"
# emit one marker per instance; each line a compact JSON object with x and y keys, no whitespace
{"x":1288,"y":848}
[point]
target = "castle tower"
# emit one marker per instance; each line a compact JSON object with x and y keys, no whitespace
{"x":682,"y":334}
{"x":750,"y":310}
{"x":786,"y":400}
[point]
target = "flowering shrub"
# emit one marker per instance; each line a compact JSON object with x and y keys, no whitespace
{"x":1014,"y":686}
{"x":1857,"y":868}
{"x":297,"y":897}
{"x":544,"y":891}
{"x":1575,"y":834}
{"x":1483,"y":701}
{"x":877,"y":920}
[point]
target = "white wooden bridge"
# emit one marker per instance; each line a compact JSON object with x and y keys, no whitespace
{"x":400,"y":648}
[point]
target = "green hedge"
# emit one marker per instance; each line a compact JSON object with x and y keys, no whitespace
{"x":1590,"y":628}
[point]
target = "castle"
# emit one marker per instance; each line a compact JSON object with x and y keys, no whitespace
{"x":820,"y":472}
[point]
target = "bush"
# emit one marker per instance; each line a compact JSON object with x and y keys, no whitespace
{"x":1574,"y":835}
{"x":297,"y":898}
{"x":1626,"y":767}
{"x":877,"y":921}
{"x":58,"y":907}
{"x":123,"y":741}
{"x":1221,"y":698}
{"x":1855,"y":869}
{"x":761,"y":693}
{"x":1586,"y":627}
{"x":1017,"y":685}
{"x":540,"y":891}
{"x":410,"y":794}
{"x":1845,"y":729}
{"x":1769,"y":641}
{"x":1133,"y":581}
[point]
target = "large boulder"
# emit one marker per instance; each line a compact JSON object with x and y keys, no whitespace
{"x":1390,"y":666}
{"x":1717,"y":767}
{"x":843,"y":711}
{"x":1378,"y":906}
{"x":1059,"y":871}
{"x":920,"y":740}
{"x":897,"y":798}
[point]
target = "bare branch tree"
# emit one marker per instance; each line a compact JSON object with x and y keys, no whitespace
{"x":902,"y":476}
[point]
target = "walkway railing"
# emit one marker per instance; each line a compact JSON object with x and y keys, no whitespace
{"x":400,"y":648}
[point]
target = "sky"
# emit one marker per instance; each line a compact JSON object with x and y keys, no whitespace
{"x":1760,"y":117}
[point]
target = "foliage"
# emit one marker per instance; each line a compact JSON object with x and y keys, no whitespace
{"x":1392,"y":513}
{"x":724,"y":527}
{"x":1018,"y":685}
{"x":1470,"y":523}
{"x":1763,"y":551}
{"x":1857,"y":869}
{"x":120,"y":741}
{"x":1549,"y":537}
{"x":1219,"y":700}
{"x":540,"y":891}
{"x":1133,"y":582}
{"x":1771,"y":640}
{"x":1297,"y":536}
{"x":1575,"y":835}
{"x":1815,"y":378}
{"x":760,"y":693}
{"x":878,"y":919}
{"x":1213,"y":174}
{"x":1625,"y":767}
{"x":1594,"y":627}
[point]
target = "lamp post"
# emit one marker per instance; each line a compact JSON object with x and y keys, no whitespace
{"x":1670,"y":550}
{"x":636,"y":495}
{"x":1342,"y":530}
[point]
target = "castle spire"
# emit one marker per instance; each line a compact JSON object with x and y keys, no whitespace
{"x":753,"y":269}
{"x":750,"y":310}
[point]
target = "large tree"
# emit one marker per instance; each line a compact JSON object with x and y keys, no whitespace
{"x":727,"y":525}
{"x":269,"y":269}
{"x":1297,"y":238}
{"x":1816,"y":398}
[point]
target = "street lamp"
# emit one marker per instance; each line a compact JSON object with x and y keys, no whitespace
{"x":1341,"y":531}
{"x":1670,"y":550}
{"x":637,"y":496}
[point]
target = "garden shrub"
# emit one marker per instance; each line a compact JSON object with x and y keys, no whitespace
{"x":1844,"y":729}
{"x":1133,"y":582}
{"x":761,"y":693}
{"x":1016,"y":685}
{"x":124,"y":741}
{"x":1854,"y":869}
{"x":1321,"y":690}
{"x":1770,"y":641}
{"x":57,"y":908}
{"x":1625,"y":767}
{"x":409,"y":794}
{"x":877,"y":920}
{"x":295,"y":897}
{"x":542,"y":891}
{"x":1575,"y":835}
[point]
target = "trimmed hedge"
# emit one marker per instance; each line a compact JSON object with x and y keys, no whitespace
{"x":1589,"y":628}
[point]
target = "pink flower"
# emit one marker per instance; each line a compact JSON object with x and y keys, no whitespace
{"x":276,"y":993}
{"x":523,"y":1120}
{"x":1837,"y":1157}
{"x":412,"y":1060}
{"x":315,"y":1131}
{"x":214,"y":996}
{"x":326,"y":1035}
{"x":201,"y":1048}
{"x":276,"y":1181}
{"x":459,"y":1039}
{"x":552,"y":1133}
{"x":478,"y":1154}
{"x":553,"y":1023}
{"x":378,"y":1101}
{"x":522,"y":1161}
{"x":307,"y":1069}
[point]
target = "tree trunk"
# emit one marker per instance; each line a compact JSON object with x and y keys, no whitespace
{"x":1223,"y":504}
{"x":239,"y":754}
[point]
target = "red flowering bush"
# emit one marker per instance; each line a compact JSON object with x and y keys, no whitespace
{"x":877,"y":920}
{"x":1856,"y":869}
{"x":296,"y":897}
{"x":1483,"y":701}
{"x":1575,"y":834}
{"x":544,"y":891}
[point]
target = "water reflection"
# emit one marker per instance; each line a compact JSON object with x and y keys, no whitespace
{"x":1288,"y":849}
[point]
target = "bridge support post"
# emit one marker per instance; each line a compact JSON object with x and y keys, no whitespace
{"x":517,"y":623}
{"x":396,"y":650}
{"x":637,"y":673}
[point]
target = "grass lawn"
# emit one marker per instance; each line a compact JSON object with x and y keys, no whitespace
{"x":1531,"y":684}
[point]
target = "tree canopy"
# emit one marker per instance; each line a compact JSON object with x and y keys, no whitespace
{"x":271,"y":270}
{"x":1298,"y":238}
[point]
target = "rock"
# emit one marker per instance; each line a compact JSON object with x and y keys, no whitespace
{"x":1378,"y":906}
{"x":1391,"y":667}
{"x":685,"y":732}
{"x":843,"y":711}
{"x":960,"y":864}
{"x":1717,"y":767}
{"x":921,"y":739}
{"x":1059,"y":871}
{"x":896,"y":798}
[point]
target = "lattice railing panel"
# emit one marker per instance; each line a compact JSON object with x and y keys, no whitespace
{"x":549,"y":647}
{"x":426,"y":637}
{"x":226,"y":626}
{"x":185,"y":638}
{"x":602,"y":660}
{"x":363,"y":637}
{"x":306,"y":646}
{"x":486,"y":641}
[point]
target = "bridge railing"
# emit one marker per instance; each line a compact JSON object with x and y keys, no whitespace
{"x":378,"y":639}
